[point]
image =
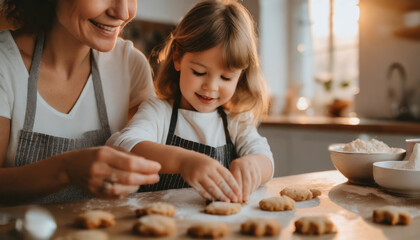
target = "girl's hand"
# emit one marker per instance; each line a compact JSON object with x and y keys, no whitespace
{"x":211,"y":180}
{"x":247,"y":173}
{"x":109,"y":171}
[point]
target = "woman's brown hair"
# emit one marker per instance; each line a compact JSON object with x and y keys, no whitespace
{"x":208,"y":24}
{"x":32,"y":15}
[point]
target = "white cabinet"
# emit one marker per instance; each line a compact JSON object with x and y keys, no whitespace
{"x":304,"y":150}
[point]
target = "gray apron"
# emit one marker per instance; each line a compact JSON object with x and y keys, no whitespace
{"x":224,"y":154}
{"x":34,"y":146}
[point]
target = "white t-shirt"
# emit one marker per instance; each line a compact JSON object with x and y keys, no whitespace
{"x":126,"y":80}
{"x":152,"y":120}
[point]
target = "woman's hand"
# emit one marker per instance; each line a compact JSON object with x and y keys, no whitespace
{"x":109,"y":171}
{"x":247,"y":172}
{"x":211,"y":180}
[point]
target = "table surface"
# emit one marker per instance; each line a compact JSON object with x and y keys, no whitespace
{"x":348,"y":206}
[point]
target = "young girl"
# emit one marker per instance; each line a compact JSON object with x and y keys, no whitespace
{"x":210,"y":96}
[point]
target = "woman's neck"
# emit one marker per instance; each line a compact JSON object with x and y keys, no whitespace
{"x":63,"y":52}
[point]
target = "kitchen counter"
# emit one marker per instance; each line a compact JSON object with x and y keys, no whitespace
{"x":349,"y":124}
{"x":348,"y":206}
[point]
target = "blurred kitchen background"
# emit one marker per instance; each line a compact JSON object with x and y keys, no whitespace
{"x":337,"y":70}
{"x":339,"y":58}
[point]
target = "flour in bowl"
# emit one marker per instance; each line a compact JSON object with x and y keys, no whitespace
{"x":413,"y":162}
{"x":371,"y":146}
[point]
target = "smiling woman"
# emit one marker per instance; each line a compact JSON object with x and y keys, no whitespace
{"x":66,"y":84}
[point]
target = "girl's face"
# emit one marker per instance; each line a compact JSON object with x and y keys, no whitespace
{"x":95,"y":23}
{"x":204,"y":81}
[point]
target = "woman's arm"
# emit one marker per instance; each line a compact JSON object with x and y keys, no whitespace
{"x":88,"y":168}
{"x":206,"y":175}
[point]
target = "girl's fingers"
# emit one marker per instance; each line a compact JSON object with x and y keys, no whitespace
{"x":203,"y":193}
{"x":238,"y":176}
{"x":246,"y":185}
{"x":210,"y":186}
{"x":224,"y":186}
{"x":230,"y":179}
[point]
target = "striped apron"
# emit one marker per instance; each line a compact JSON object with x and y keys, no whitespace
{"x":34,"y":146}
{"x":224,"y":154}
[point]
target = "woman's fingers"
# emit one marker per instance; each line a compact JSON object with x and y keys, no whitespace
{"x":128,"y":162}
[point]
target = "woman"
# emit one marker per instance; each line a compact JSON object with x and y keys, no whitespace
{"x":66,"y":83}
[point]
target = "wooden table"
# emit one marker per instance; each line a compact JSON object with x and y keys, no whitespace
{"x":348,"y":206}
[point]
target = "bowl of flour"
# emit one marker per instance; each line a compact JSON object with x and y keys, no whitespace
{"x":355,"y":159}
{"x":400,"y":177}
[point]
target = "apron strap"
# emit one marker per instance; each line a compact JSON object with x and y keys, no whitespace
{"x":99,"y":94}
{"x":174,"y":119}
{"x":32,"y":83}
{"x":225,"y":124}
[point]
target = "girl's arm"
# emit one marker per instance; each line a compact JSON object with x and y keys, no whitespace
{"x":206,"y":175}
{"x":88,"y":168}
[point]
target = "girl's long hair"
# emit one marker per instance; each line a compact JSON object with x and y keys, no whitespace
{"x":208,"y":24}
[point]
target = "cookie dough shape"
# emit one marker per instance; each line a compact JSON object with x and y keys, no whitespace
{"x":391,"y":215}
{"x":259,"y":227}
{"x":281,"y":203}
{"x":155,"y":226}
{"x":208,"y":230}
{"x":159,"y":208}
{"x":222,"y":208}
{"x":300,"y":194}
{"x":315,"y":225}
{"x":85,"y":235}
{"x":95,"y":219}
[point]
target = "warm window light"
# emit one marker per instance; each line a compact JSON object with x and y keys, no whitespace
{"x":302,"y":104}
{"x":346,"y":17}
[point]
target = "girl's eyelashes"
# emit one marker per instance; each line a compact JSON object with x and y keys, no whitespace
{"x":225,"y":78}
{"x":204,"y":73}
{"x":198,"y":73}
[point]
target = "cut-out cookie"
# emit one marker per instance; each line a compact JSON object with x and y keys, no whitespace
{"x":261,"y":227}
{"x":315,"y":225}
{"x":154,"y":225}
{"x":300,"y":194}
{"x":281,"y":203}
{"x":95,"y":219}
{"x":208,"y":230}
{"x":391,"y":215}
{"x":160,"y":208}
{"x":223,"y":208}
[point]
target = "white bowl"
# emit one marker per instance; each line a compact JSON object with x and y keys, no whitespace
{"x":402,"y":182}
{"x":357,"y":167}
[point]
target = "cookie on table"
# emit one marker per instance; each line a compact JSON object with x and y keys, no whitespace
{"x":95,"y":219}
{"x":392,"y":215}
{"x":154,"y":226}
{"x":222,"y":208}
{"x":259,"y":227}
{"x":314,"y":225}
{"x":85,"y":235}
{"x":159,"y":208}
{"x":281,"y":203}
{"x":300,"y":194}
{"x":208,"y":230}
